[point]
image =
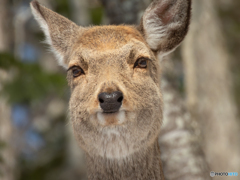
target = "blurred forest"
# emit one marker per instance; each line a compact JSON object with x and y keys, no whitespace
{"x":200,"y":84}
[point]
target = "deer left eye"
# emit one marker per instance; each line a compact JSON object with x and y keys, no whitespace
{"x":141,"y":63}
{"x":76,"y":71}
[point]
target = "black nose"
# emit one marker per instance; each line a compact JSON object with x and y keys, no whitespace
{"x":110,"y":102}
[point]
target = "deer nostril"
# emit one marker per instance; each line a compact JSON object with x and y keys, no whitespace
{"x":101,"y":100}
{"x":120,"y":99}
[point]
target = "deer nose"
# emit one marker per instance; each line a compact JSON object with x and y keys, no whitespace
{"x":110,"y":102}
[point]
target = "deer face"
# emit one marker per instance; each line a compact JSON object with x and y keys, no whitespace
{"x":115,"y":101}
{"x":113,"y":72}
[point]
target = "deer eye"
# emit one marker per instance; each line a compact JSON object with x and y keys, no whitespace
{"x":141,"y":63}
{"x":76,"y":71}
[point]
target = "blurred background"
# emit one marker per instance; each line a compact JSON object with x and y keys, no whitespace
{"x":203,"y":76}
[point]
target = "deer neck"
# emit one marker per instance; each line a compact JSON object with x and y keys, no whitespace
{"x":142,"y":165}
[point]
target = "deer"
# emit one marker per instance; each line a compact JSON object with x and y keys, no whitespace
{"x":114,"y":72}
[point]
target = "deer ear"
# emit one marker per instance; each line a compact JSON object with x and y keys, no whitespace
{"x":59,"y":31}
{"x":165,"y":23}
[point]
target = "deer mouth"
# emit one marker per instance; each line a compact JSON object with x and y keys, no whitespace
{"x":111,"y":118}
{"x":110,"y":112}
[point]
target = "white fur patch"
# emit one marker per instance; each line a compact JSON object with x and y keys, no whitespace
{"x":113,"y":144}
{"x":101,"y":118}
{"x":120,"y":116}
{"x":154,"y":30}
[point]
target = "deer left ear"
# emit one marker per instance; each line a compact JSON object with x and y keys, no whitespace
{"x":60,"y":32}
{"x":165,"y":24}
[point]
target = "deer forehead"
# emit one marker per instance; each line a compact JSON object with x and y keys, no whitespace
{"x":109,"y":37}
{"x":110,"y":43}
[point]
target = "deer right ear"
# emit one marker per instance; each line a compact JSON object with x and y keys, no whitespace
{"x":59,"y":31}
{"x":165,"y":24}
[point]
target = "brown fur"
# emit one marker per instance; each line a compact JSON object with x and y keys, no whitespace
{"x":121,"y":145}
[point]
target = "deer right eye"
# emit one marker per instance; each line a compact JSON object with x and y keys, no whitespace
{"x":141,"y":63}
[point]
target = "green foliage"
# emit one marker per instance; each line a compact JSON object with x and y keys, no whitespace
{"x":41,"y":171}
{"x":1,"y":159}
{"x":2,"y":146}
{"x":48,"y":162}
{"x":96,"y":15}
{"x":31,"y":82}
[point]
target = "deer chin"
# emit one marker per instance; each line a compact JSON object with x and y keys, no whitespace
{"x":108,"y":119}
{"x":112,"y":135}
{"x":118,"y":141}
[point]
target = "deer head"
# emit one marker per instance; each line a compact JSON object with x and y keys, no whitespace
{"x":113,"y":72}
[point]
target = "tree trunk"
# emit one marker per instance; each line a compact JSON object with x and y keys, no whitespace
{"x":208,"y":85}
{"x":181,"y":154}
{"x":178,"y":140}
{"x":7,"y":159}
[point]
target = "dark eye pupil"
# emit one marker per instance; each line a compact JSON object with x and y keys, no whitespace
{"x":142,"y":63}
{"x":76,"y":72}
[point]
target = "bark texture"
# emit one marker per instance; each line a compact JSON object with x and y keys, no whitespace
{"x":7,"y":159}
{"x":208,"y":85}
{"x":181,"y":154}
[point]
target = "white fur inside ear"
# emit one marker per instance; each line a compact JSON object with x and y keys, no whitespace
{"x":162,"y":54}
{"x":44,"y":27}
{"x":154,"y":30}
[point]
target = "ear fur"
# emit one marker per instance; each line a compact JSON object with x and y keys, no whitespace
{"x":165,"y":24}
{"x":59,"y":31}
